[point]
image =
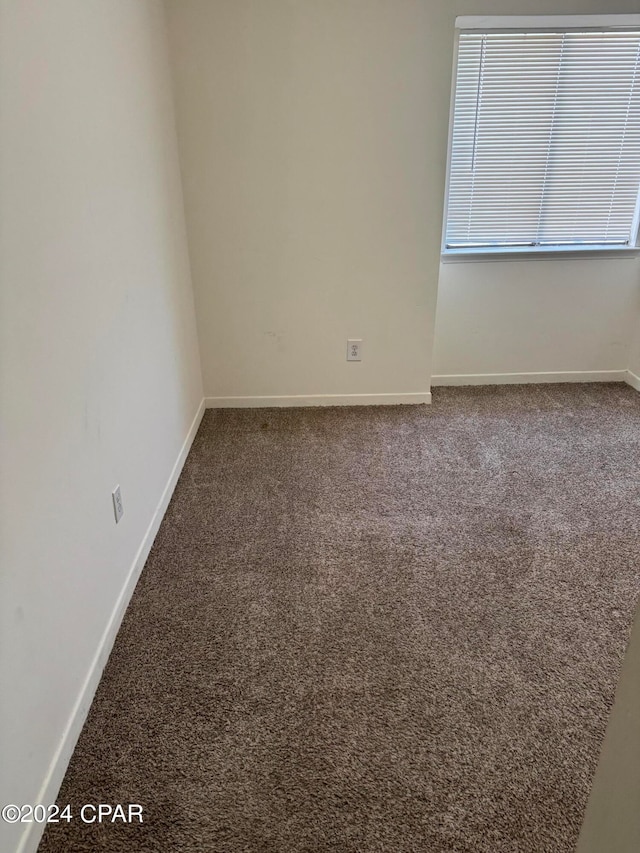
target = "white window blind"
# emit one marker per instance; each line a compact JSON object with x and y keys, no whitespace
{"x":545,"y":142}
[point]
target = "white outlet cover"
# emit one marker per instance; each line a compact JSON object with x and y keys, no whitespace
{"x":354,"y":349}
{"x":118,"y":506}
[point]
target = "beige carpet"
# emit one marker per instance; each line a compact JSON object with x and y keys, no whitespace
{"x":374,"y":629}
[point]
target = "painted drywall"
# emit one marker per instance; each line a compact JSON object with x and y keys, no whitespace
{"x":634,"y":354}
{"x":612,"y":819}
{"x":536,"y":316}
{"x":99,"y":365}
{"x":313,"y":190}
{"x":313,"y":142}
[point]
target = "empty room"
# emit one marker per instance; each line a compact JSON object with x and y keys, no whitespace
{"x":320,"y":426}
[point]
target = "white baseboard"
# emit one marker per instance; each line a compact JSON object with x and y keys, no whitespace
{"x":633,"y":380}
{"x":318,"y":400}
{"x":524,"y":378}
{"x":53,"y":780}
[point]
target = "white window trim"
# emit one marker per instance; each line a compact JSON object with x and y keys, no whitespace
{"x":541,"y":22}
{"x":519,"y":22}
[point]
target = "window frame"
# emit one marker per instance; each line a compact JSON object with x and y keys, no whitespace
{"x":525,"y":23}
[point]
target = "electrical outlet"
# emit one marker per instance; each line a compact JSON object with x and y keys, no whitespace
{"x":354,"y":350}
{"x":118,"y":507}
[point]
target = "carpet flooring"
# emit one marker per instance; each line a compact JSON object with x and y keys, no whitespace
{"x":374,"y":629}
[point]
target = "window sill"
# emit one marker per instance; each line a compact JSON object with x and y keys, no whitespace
{"x":457,"y":256}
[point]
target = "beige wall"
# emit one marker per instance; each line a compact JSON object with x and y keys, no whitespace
{"x":99,"y":373}
{"x":634,"y":353}
{"x":536,"y":316}
{"x":313,"y":179}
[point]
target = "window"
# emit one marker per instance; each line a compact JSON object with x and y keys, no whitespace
{"x":545,"y":135}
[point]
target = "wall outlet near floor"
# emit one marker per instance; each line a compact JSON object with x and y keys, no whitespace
{"x":354,"y":350}
{"x":118,"y":507}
